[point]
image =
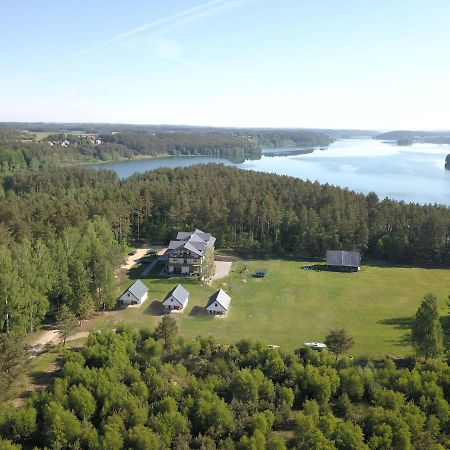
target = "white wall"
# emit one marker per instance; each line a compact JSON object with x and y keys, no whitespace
{"x":175,"y":304}
{"x":129,"y":298}
{"x":216,"y":308}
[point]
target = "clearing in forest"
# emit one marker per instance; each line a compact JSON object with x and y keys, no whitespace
{"x":292,"y":306}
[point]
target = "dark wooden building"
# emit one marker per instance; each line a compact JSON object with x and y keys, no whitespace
{"x":343,"y":261}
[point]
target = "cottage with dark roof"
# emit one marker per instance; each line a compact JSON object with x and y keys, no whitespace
{"x":190,"y":253}
{"x":135,"y":294}
{"x":343,"y":260}
{"x":177,"y":298}
{"x":219,"y":303}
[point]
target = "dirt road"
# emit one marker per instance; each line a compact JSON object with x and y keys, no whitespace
{"x":45,"y":338}
{"x":132,"y":259}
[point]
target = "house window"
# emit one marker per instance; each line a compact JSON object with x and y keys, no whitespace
{"x":171,"y":299}
{"x":215,"y":304}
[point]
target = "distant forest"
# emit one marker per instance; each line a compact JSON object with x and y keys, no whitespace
{"x":106,"y":128}
{"x":429,"y":137}
{"x":21,"y":150}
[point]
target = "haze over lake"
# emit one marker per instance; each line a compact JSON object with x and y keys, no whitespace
{"x":413,"y":174}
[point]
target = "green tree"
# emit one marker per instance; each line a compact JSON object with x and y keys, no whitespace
{"x":338,"y":342}
{"x":12,"y":357}
{"x":11,"y":293}
{"x":66,"y":322}
{"x":427,"y":335}
{"x":142,"y":438}
{"x":81,"y":402}
{"x":166,"y":329}
{"x":6,"y":444}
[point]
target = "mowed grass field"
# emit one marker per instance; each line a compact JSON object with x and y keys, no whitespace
{"x":292,"y":306}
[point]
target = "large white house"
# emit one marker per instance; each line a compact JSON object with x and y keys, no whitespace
{"x":135,"y":294}
{"x":177,"y":298}
{"x":190,"y":253}
{"x":219,"y":303}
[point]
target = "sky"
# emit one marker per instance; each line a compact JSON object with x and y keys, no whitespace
{"x":360,"y":64}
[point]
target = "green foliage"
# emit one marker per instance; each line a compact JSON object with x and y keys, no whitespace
{"x":166,"y":329}
{"x":81,"y":402}
{"x":66,"y":321}
{"x":427,"y":334}
{"x":12,"y":357}
{"x":20,"y":151}
{"x":108,"y":397}
{"x":338,"y":342}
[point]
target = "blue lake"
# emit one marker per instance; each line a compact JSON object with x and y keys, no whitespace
{"x":413,"y":174}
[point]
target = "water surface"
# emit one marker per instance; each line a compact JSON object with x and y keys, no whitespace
{"x":414,"y":173}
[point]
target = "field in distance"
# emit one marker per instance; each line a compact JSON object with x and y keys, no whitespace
{"x":292,"y":306}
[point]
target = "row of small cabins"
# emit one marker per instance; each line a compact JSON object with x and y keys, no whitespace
{"x":176,"y":299}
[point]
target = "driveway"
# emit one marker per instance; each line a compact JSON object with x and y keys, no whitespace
{"x":149,"y":268}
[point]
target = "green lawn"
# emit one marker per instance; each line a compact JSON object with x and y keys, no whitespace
{"x":292,"y":306}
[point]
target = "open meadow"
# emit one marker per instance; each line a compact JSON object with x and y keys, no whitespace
{"x":292,"y":306}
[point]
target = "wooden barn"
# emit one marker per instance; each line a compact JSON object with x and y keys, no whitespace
{"x":343,"y":261}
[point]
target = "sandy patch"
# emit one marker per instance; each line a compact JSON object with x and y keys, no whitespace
{"x":44,"y":339}
{"x":222,"y":269}
{"x":132,"y":259}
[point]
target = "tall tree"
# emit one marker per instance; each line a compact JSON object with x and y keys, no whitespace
{"x":167,"y":329}
{"x":66,"y":322}
{"x":11,"y":292}
{"x":12,"y":356}
{"x":427,"y":335}
{"x":338,"y":342}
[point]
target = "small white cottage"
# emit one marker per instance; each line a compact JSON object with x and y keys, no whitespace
{"x":177,"y":298}
{"x":218,"y":303}
{"x":135,"y":294}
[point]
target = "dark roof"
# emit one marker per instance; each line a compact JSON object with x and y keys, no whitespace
{"x":138,"y":289}
{"x":343,"y":258}
{"x":220,"y":297}
{"x":180,"y":293}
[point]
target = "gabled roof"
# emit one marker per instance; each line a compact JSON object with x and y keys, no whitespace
{"x":179,"y":293}
{"x":138,"y":289}
{"x":195,"y":241}
{"x":220,"y":297}
{"x":343,"y":258}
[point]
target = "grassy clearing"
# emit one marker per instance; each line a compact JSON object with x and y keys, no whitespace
{"x":37,"y":374}
{"x":292,"y":306}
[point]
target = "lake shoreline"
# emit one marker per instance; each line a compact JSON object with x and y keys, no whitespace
{"x":360,"y":165}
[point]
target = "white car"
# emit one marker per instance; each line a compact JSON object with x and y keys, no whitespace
{"x":315,"y":345}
